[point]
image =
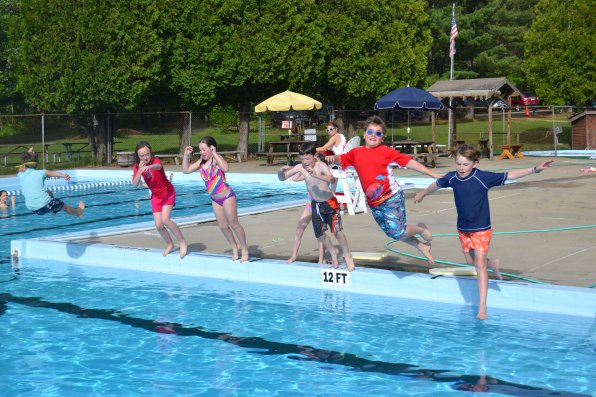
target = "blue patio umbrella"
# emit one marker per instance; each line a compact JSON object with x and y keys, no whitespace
{"x":409,"y":98}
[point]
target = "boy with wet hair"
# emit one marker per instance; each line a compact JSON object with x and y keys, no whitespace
{"x":325,"y":207}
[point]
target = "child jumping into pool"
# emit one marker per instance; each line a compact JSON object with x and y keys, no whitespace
{"x":325,"y":207}
{"x":163,"y":195}
{"x":37,"y":197}
{"x":374,"y":163}
{"x":212,"y":168}
{"x":470,"y":189}
{"x":305,"y":218}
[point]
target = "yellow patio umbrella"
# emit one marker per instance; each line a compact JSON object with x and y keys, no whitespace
{"x":288,"y":101}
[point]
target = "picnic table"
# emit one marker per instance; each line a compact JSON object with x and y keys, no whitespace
{"x":420,"y":150}
{"x":286,"y":148}
{"x":510,"y":151}
{"x":17,"y":149}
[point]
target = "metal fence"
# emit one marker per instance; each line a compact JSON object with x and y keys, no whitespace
{"x":69,"y":141}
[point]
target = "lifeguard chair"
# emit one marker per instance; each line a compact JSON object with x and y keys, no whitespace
{"x":351,"y":195}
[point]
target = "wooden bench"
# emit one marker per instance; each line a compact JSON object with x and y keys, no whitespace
{"x":232,"y":153}
{"x":7,"y":155}
{"x":510,"y":151}
{"x":271,"y":155}
{"x":177,"y":157}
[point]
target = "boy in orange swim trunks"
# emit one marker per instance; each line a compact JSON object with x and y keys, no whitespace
{"x":470,"y":188}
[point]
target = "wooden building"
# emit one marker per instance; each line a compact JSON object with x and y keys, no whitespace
{"x":489,"y":89}
{"x":583,"y":130}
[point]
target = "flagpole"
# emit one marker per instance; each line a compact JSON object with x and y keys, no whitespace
{"x":451,"y":55}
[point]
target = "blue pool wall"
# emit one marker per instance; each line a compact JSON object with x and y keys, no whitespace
{"x":523,"y":296}
{"x":79,"y":249}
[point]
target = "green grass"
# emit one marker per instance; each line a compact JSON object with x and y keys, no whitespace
{"x":532,"y":132}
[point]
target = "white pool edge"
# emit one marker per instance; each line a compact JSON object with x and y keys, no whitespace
{"x":574,"y":301}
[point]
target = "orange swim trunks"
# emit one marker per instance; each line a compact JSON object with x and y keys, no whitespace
{"x":477,"y":241}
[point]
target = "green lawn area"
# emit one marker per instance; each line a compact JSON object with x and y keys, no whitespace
{"x":532,"y":132}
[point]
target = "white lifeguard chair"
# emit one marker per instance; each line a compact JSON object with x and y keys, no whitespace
{"x":351,"y":195}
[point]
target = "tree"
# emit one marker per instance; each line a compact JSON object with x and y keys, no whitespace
{"x":372,"y":48}
{"x":561,"y":51}
{"x":490,"y":41}
{"x":86,"y":57}
{"x":240,"y":52}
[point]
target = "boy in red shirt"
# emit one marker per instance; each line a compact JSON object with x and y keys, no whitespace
{"x":374,"y":163}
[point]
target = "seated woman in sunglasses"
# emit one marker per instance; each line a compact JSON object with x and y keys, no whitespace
{"x":335,"y":144}
{"x":374,"y":163}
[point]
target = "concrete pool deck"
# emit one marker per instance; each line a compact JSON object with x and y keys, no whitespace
{"x":561,"y":197}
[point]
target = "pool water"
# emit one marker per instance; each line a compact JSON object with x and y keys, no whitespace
{"x":71,"y":330}
{"x":108,"y":206}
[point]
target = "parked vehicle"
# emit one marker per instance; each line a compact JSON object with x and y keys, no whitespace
{"x":526,"y":100}
{"x":500,"y":105}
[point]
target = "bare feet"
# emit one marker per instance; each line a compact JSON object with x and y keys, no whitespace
{"x":481,"y":313}
{"x":169,"y":247}
{"x":234,"y":253}
{"x":80,"y":209}
{"x":425,"y":234}
{"x":424,"y":248}
{"x":334,"y":261}
{"x":350,"y":262}
{"x":291,"y":260}
{"x":244,"y":257}
{"x":494,"y":264}
{"x":183,"y":249}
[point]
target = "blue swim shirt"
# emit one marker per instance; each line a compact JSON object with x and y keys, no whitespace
{"x":471,"y":197}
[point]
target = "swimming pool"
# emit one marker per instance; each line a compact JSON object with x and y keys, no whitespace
{"x":70,"y":330}
{"x":112,"y":201}
{"x":84,"y":330}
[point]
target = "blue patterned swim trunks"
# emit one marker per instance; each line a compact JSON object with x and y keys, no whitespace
{"x":391,"y":216}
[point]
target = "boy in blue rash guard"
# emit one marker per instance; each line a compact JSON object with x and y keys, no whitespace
{"x":470,"y":189}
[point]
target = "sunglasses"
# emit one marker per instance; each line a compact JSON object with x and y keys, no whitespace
{"x":377,"y":133}
{"x":330,"y":129}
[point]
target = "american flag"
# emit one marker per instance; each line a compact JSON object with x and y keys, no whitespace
{"x":452,"y":36}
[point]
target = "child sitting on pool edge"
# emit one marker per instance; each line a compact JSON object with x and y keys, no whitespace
{"x":318,"y":179}
{"x":37,"y":198}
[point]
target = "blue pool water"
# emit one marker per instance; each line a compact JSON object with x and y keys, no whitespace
{"x":113,"y":205}
{"x":71,"y":330}
{"x":68,"y":330}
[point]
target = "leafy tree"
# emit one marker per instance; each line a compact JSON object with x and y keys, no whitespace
{"x":240,"y":52}
{"x":86,"y":56}
{"x":372,"y":47}
{"x":490,"y":41}
{"x":561,"y":51}
{"x":8,"y":93}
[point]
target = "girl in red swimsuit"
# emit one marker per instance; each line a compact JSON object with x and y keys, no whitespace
{"x":163,"y":195}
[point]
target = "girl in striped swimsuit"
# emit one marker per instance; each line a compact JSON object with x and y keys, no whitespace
{"x":212,"y":168}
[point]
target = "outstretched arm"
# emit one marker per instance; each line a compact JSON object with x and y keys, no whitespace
{"x":429,"y":189}
{"x":57,"y":174}
{"x":516,"y":174}
{"x":416,"y":166}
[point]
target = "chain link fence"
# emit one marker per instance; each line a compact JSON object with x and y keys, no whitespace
{"x":67,"y":141}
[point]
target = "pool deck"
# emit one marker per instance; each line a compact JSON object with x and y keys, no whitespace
{"x":559,"y":198}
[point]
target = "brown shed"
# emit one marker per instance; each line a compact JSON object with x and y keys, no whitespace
{"x":583,"y":130}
